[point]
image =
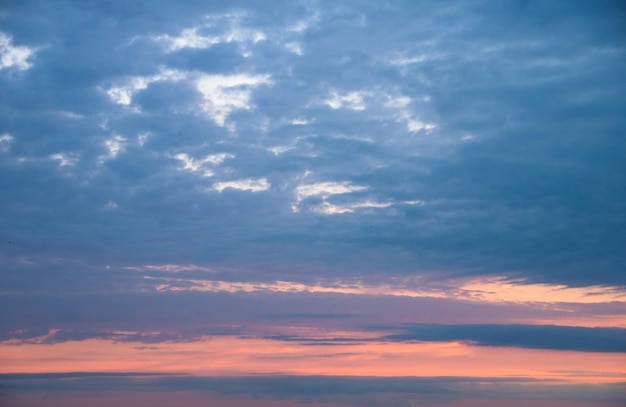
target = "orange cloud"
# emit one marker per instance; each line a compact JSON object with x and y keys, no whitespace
{"x":501,"y":290}
{"x":485,"y":289}
{"x":234,"y":355}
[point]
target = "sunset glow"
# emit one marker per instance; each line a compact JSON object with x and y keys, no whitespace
{"x":234,"y":356}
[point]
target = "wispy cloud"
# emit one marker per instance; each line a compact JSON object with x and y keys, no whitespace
{"x":123,"y":94}
{"x":217,"y":29}
{"x":252,"y":185}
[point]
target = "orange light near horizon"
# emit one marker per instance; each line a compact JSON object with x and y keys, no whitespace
{"x":484,"y":289}
{"x":233,"y":355}
{"x":498,"y":289}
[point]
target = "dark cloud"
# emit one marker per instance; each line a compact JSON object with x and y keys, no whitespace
{"x":523,"y":336}
{"x":152,"y":317}
{"x":404,"y":139}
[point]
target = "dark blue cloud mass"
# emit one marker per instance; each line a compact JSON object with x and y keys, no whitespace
{"x":524,"y":336}
{"x":458,"y":139}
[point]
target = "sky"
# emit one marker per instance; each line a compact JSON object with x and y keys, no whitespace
{"x":320,"y":203}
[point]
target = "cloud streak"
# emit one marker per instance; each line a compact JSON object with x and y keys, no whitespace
{"x":525,"y":336}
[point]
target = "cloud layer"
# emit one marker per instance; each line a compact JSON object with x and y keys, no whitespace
{"x":305,"y":174}
{"x":463,"y":152}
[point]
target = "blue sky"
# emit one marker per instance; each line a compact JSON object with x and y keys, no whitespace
{"x":398,"y":153}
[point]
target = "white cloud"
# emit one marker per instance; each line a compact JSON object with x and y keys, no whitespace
{"x":188,"y":162}
{"x":195,"y":165}
{"x":253,"y":185}
{"x":331,"y":209}
{"x":64,"y":160}
{"x":400,"y":104}
{"x":295,"y":48}
{"x":188,"y":38}
{"x":5,"y":142}
{"x":278,"y":150}
{"x":11,"y":56}
{"x":216,"y":158}
{"x":328,"y":208}
{"x":303,"y":25}
{"x":409,"y":287}
{"x":323,"y":190}
{"x":224,"y":94}
{"x":142,"y":138}
{"x":300,"y":122}
{"x":414,"y":125}
{"x":414,"y":202}
{"x":207,"y":35}
{"x":123,"y":95}
{"x":405,"y":60}
{"x":326,"y":189}
{"x":397,"y":102}
{"x":114,"y":145}
{"x":350,"y":100}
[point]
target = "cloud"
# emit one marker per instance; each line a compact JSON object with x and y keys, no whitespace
{"x":194,"y":165}
{"x":252,"y":185}
{"x":217,"y":29}
{"x":5,"y":142}
{"x":222,"y":94}
{"x":324,"y":190}
{"x":114,"y":146}
{"x":409,"y":60}
{"x":438,"y":151}
{"x":123,"y":94}
{"x":14,"y":56}
{"x":524,"y":336}
{"x":498,"y":289}
{"x":225,"y":94}
{"x":350,"y":100}
{"x":64,"y":159}
{"x":295,"y":48}
{"x":417,"y":125}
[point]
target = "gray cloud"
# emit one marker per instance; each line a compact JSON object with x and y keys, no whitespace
{"x":151,"y":317}
{"x":524,"y":336}
{"x":470,"y":139}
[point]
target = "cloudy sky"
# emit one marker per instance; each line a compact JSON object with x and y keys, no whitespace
{"x":314,"y":203}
